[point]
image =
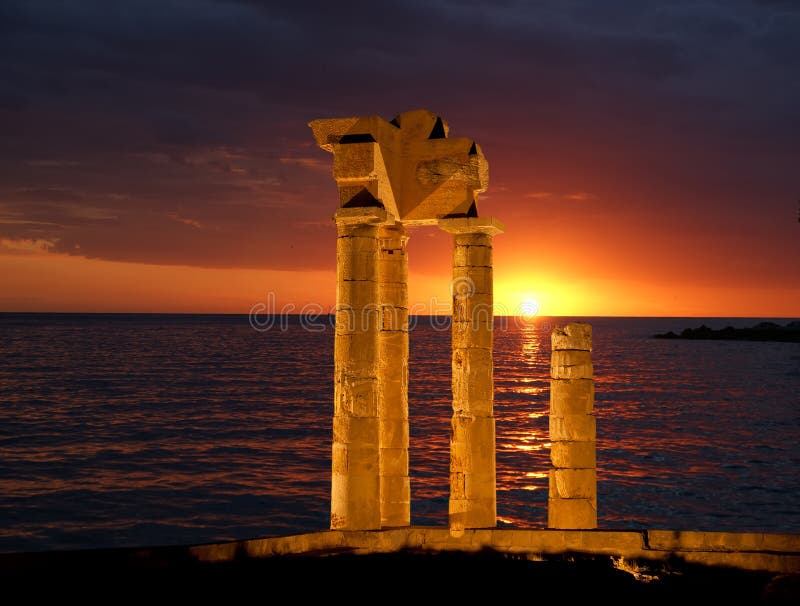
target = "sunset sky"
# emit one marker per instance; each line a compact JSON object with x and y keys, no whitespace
{"x":644,"y":156}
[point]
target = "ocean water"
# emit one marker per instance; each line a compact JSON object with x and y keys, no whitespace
{"x":123,"y":430}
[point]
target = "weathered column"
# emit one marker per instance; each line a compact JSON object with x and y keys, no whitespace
{"x":473,"y":497}
{"x":355,"y":485}
{"x":572,"y":501}
{"x":393,"y":376}
{"x":407,"y":169}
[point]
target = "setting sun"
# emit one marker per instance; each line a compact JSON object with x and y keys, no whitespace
{"x":529,"y":308}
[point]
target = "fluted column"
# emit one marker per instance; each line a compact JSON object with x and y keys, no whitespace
{"x":355,"y":484}
{"x":572,"y":499}
{"x":473,"y":497}
{"x":393,"y":376}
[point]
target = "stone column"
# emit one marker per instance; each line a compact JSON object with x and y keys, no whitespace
{"x":355,"y":484}
{"x":473,"y":498}
{"x":572,"y":499}
{"x":393,"y":376}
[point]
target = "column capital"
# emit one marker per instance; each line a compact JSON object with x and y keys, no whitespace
{"x":472,"y":225}
{"x":360,"y":215}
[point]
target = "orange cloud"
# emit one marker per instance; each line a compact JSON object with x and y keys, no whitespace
{"x":26,"y":245}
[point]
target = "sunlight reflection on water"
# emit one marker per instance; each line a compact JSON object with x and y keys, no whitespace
{"x":161,"y":429}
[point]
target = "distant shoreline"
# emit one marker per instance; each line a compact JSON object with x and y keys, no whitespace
{"x":763,"y":331}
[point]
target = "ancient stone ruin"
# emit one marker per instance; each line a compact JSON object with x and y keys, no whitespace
{"x":391,"y":175}
{"x":572,"y":495}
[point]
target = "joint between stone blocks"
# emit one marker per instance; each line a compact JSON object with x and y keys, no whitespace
{"x":573,"y":454}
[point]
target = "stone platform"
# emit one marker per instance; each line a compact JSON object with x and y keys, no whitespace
{"x":429,"y":565}
{"x":776,"y":553}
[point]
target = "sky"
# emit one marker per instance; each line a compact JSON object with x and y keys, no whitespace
{"x":644,"y":156}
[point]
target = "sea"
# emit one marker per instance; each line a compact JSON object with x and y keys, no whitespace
{"x":124,"y":430}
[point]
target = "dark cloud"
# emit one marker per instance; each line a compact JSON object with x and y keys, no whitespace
{"x":175,"y":132}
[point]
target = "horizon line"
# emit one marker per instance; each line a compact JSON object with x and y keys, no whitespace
{"x":530,"y":318}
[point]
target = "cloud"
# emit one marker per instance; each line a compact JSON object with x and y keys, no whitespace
{"x":186,"y":221}
{"x":175,"y":133}
{"x":25,"y":245}
{"x":539,"y":195}
{"x":574,"y":197}
{"x":580,"y":196}
{"x":312,"y":163}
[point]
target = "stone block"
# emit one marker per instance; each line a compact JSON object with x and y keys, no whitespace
{"x":356,"y":265}
{"x":472,"y":513}
{"x":573,"y":455}
{"x":473,"y":387}
{"x":789,"y":543}
{"x":481,"y":538}
{"x":393,"y":400}
{"x":573,"y":428}
{"x":394,"y":393}
{"x":693,"y":540}
{"x":356,"y":351}
{"x":548,"y":541}
{"x":458,"y":485}
{"x":472,"y":280}
{"x":355,"y":501}
{"x":476,"y":308}
{"x":392,"y":361}
{"x":394,"y":433}
{"x":357,"y":239}
{"x":339,"y":458}
{"x":394,"y":461}
{"x":481,"y":483}
{"x":358,"y":223}
{"x":392,"y":269}
{"x":355,"y":397}
{"x":215,"y":552}
{"x":472,"y":334}
{"x":469,"y":235}
{"x":573,"y":484}
{"x":396,"y":514}
{"x":363,"y":431}
{"x":460,"y":456}
{"x":355,"y":459}
{"x":465,"y":406}
{"x":468,"y":231}
{"x":571,"y":513}
{"x":629,"y":544}
{"x":360,"y":296}
{"x":393,"y":319}
{"x":473,"y":440}
{"x":476,"y":255}
{"x":574,"y":336}
{"x":395,"y":489}
{"x":571,"y":364}
{"x":394,"y":346}
{"x":357,"y":161}
{"x":345,"y":320}
{"x":392,"y":292}
{"x":571,"y":396}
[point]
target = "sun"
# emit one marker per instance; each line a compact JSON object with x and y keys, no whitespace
{"x":529,"y":308}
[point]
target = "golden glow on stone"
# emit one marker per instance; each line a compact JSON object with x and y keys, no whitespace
{"x":390,"y":175}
